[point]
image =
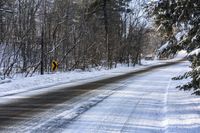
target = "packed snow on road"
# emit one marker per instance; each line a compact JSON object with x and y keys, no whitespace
{"x":148,"y":103}
{"x":145,"y":103}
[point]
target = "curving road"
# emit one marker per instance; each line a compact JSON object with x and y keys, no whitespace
{"x":135,"y":102}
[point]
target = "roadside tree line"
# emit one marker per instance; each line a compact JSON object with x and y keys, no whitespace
{"x":79,"y":34}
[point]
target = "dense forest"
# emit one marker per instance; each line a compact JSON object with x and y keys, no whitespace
{"x":78,"y":34}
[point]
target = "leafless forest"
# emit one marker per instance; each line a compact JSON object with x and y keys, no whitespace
{"x":79,"y":34}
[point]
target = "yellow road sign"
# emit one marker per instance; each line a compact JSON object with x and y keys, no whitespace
{"x":54,"y":65}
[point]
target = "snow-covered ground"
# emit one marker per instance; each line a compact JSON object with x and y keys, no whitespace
{"x":146,"y":103}
{"x":150,"y":103}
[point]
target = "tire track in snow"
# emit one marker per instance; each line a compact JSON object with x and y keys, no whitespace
{"x":165,"y":109}
{"x":126,"y":122}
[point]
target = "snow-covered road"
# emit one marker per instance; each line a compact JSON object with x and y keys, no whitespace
{"x":150,"y":103}
{"x":146,"y":102}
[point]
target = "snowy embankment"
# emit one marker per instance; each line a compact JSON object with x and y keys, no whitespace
{"x":20,"y":85}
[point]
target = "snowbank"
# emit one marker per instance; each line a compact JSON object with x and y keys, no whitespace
{"x":19,"y":84}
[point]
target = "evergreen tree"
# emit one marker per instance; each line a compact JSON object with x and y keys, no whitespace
{"x":173,"y":16}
